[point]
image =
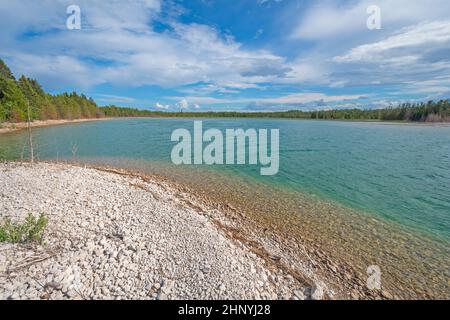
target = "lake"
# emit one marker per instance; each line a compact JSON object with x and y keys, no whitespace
{"x":397,"y":174}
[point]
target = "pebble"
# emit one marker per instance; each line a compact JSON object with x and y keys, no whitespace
{"x":146,"y":247}
{"x":317,"y":292}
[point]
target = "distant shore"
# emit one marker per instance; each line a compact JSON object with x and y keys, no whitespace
{"x":6,"y":127}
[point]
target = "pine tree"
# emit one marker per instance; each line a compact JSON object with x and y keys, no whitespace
{"x":13,"y":102}
{"x":5,"y":72}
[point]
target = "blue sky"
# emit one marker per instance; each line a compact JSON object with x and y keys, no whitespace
{"x":255,"y":55}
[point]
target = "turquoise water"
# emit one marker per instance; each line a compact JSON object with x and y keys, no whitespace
{"x":398,"y":172}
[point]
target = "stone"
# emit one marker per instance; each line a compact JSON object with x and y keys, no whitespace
{"x":317,"y":292}
{"x":53,"y":285}
{"x":387,"y":295}
{"x":129,"y":252}
{"x":71,"y":294}
{"x":299,"y":294}
{"x":205,"y":269}
{"x":99,"y":252}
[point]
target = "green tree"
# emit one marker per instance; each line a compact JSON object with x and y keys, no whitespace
{"x":13,"y":101}
{"x":5,"y":72}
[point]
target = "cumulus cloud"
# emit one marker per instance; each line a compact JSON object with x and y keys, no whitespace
{"x":183,"y":104}
{"x":56,"y":70}
{"x":201,"y":100}
{"x":418,"y":39}
{"x":417,"y":53}
{"x":337,"y":19}
{"x":118,"y":45}
{"x":162,"y":106}
{"x":291,"y":99}
{"x":300,"y":98}
{"x":109,"y":98}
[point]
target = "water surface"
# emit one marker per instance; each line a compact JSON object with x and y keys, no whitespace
{"x":331,"y":175}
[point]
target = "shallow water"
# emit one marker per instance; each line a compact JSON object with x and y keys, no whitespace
{"x":371,"y":193}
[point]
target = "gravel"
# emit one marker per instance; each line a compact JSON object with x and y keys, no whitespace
{"x":113,"y":236}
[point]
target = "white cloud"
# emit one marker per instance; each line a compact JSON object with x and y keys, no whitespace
{"x":436,"y":87}
{"x":417,"y":53}
{"x":423,"y":36}
{"x":120,"y":36}
{"x":331,"y":19}
{"x":183,"y":104}
{"x":300,"y":98}
{"x":267,"y":2}
{"x":291,"y":99}
{"x":162,"y":106}
{"x":118,"y":45}
{"x":201,"y":100}
{"x":57,"y":70}
{"x":412,"y":44}
{"x":115,"y":99}
{"x":236,"y":85}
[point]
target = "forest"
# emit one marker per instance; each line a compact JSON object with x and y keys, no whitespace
{"x":415,"y":112}
{"x":16,"y":95}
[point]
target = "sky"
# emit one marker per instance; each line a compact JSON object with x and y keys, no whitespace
{"x":222,"y":55}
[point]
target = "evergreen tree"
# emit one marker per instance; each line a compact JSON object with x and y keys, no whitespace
{"x":5,"y":72}
{"x":13,"y":102}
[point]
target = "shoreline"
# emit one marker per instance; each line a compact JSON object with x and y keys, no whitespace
{"x":7,"y":127}
{"x":109,"y":233}
{"x":306,"y":267}
{"x":336,"y":242}
{"x":305,"y":261}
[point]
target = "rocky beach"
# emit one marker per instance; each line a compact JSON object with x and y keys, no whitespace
{"x":6,"y":127}
{"x":114,"y":235}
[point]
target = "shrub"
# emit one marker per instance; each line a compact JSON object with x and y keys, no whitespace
{"x":32,"y":230}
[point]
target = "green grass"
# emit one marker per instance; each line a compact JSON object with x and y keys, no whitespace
{"x":30,"y":231}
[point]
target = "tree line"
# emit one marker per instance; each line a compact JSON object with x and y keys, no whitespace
{"x":17,"y":95}
{"x":418,"y":112}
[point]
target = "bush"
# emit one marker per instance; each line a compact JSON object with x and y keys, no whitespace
{"x":32,"y":230}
